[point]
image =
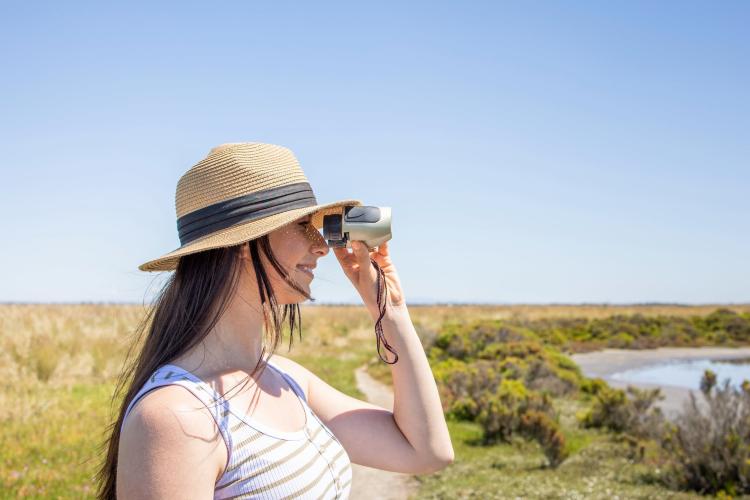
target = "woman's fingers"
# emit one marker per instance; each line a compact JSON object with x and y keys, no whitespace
{"x":383,"y":248}
{"x":359,"y":259}
{"x":343,"y":255}
{"x":381,"y":257}
{"x":361,"y":253}
{"x":348,"y":263}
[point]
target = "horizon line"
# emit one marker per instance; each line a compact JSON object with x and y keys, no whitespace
{"x":423,"y":303}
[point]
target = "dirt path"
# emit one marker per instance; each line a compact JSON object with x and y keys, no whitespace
{"x":368,"y":483}
{"x":610,"y":361}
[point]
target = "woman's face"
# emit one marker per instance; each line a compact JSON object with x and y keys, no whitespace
{"x":297,"y":246}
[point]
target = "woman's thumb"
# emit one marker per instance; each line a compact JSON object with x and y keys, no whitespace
{"x":362,"y":254}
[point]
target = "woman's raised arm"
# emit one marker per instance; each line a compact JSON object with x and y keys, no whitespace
{"x":416,"y":408}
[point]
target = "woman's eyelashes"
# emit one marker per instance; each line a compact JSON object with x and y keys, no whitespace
{"x":307,"y":227}
{"x":310,"y":231}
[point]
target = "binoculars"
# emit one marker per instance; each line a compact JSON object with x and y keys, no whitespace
{"x":371,"y":225}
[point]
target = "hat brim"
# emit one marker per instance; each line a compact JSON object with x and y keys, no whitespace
{"x":244,"y":232}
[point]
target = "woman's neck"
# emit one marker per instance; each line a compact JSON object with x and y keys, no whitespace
{"x":233,"y":344}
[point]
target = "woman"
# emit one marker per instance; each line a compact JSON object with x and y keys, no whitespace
{"x":201,"y":416}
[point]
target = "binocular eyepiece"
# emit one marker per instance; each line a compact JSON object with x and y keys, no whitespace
{"x":371,"y":225}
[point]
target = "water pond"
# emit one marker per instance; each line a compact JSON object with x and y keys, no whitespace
{"x":687,"y":373}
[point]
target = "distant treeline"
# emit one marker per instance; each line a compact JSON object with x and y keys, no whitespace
{"x":636,"y":331}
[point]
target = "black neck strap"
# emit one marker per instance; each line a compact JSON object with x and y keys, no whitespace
{"x":243,"y":209}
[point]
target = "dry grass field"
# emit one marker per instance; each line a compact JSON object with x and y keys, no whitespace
{"x":59,"y":363}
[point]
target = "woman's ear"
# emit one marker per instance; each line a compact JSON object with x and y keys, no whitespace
{"x":245,"y":251}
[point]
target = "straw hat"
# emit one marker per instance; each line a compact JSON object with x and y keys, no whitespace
{"x":239,"y":192}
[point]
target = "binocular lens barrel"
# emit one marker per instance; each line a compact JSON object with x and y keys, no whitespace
{"x":371,"y":225}
{"x":332,"y":232}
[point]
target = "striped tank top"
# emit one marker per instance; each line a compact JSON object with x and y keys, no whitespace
{"x":263,"y":462}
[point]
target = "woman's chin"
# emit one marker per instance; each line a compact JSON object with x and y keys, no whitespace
{"x":296,"y":297}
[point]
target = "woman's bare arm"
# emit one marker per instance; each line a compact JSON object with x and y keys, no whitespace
{"x":170,"y":447}
{"x":416,"y":405}
{"x":417,"y":411}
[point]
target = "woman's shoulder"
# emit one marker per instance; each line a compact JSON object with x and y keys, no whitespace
{"x":169,"y":421}
{"x":299,"y":373}
{"x":171,"y":399}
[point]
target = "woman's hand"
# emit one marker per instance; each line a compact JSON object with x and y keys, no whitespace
{"x":364,"y":276}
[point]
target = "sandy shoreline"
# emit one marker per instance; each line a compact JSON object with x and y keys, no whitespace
{"x":605,"y":363}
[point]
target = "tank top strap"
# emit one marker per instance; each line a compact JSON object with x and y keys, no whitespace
{"x":216,"y":404}
{"x":301,"y":395}
{"x":289,"y":380}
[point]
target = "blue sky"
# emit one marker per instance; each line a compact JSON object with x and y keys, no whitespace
{"x":545,"y":152}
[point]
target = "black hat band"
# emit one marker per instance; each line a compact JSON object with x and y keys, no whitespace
{"x":245,"y":208}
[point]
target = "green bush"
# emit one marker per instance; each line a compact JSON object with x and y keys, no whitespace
{"x":540,"y":427}
{"x":501,"y":378}
{"x":708,"y":445}
{"x":631,"y":412}
{"x":512,"y":410}
{"x":726,"y":322}
{"x":501,"y":411}
{"x":499,"y":350}
{"x":463,"y":385}
{"x":592,"y":386}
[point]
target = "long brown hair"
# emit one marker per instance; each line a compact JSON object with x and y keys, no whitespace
{"x":185,"y":310}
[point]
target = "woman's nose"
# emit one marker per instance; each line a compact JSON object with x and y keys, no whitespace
{"x":319,"y":246}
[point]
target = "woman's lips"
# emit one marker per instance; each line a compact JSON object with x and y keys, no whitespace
{"x":306,"y":270}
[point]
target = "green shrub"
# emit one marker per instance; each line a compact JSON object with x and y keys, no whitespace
{"x":631,"y":411}
{"x":727,"y":322}
{"x":593,"y":386}
{"x":501,"y":376}
{"x":516,"y":410}
{"x":541,"y":428}
{"x":708,"y":382}
{"x":709,"y":445}
{"x":501,"y":411}
{"x":463,"y":385}
{"x":500,"y":351}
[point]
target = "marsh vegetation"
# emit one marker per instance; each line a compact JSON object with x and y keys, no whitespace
{"x":523,"y":419}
